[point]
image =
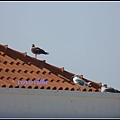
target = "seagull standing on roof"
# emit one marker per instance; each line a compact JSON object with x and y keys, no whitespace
{"x":104,"y":88}
{"x":80,"y":82}
{"x":37,"y":50}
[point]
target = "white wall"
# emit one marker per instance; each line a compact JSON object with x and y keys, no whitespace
{"x":38,"y":103}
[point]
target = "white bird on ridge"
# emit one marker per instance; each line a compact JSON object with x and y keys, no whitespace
{"x":80,"y":82}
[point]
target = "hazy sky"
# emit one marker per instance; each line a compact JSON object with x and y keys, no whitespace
{"x":82,"y":37}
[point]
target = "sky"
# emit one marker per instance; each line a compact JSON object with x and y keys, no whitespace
{"x":82,"y":37}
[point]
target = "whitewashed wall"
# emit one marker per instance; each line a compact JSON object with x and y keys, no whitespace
{"x":38,"y":103}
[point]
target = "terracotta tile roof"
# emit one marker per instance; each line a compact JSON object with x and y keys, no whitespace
{"x":18,"y":70}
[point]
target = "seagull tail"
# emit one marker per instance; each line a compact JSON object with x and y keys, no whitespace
{"x":46,"y":53}
{"x":89,"y":84}
{"x":117,"y":91}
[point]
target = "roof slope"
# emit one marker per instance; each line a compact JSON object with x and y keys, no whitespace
{"x":18,"y":70}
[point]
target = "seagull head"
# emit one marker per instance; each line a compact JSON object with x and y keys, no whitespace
{"x":105,"y":85}
{"x":77,"y":76}
{"x":33,"y":45}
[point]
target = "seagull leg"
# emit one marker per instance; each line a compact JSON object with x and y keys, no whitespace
{"x":78,"y":88}
{"x":35,"y":55}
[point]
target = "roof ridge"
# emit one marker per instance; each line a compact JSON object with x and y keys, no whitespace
{"x":5,"y":51}
{"x":28,"y":59}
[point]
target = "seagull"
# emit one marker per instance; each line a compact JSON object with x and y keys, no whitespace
{"x":80,"y":82}
{"x":37,"y":50}
{"x":104,"y":88}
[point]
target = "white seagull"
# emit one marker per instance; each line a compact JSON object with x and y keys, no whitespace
{"x":104,"y":88}
{"x":80,"y":82}
{"x":37,"y":50}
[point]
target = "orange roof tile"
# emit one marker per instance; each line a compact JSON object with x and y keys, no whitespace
{"x":18,"y":70}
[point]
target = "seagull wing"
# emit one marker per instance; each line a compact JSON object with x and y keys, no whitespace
{"x":78,"y":81}
{"x":41,"y":51}
{"x":37,"y":50}
{"x":109,"y":89}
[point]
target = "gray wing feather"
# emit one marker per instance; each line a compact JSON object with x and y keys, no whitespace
{"x":37,"y":50}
